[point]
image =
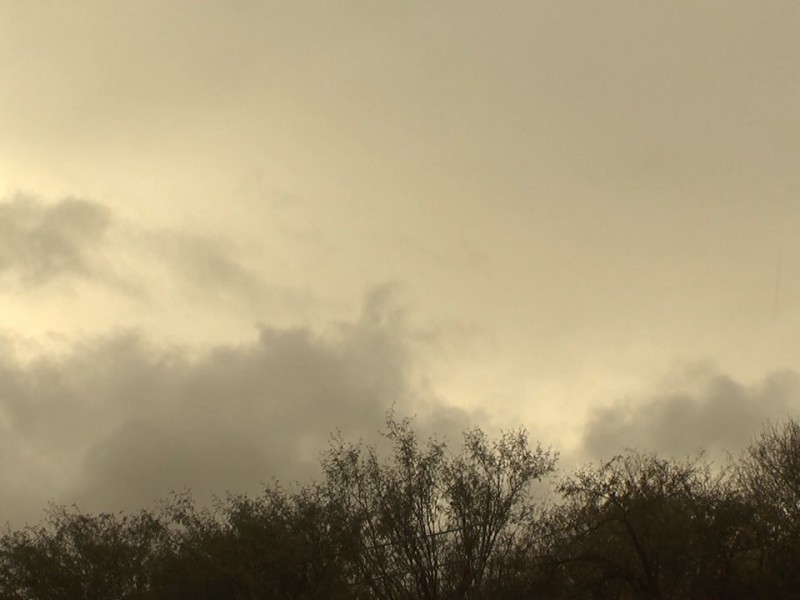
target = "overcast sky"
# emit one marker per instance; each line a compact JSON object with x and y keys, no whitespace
{"x":229,"y":228}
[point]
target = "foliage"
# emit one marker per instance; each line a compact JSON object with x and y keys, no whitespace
{"x":277,"y":545}
{"x":769,"y":475}
{"x":74,"y":555}
{"x":427,"y":523}
{"x":640,"y":526}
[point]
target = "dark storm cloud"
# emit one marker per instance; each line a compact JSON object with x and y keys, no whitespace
{"x":118,"y":423}
{"x":700,"y":410}
{"x":39,"y":243}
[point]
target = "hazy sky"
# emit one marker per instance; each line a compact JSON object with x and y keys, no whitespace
{"x":228,"y":228}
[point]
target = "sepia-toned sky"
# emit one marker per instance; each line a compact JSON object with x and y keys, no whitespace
{"x":230,"y":228}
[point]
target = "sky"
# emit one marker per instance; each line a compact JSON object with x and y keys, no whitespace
{"x":229,"y":229}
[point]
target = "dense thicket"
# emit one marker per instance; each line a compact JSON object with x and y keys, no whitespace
{"x":426,"y":523}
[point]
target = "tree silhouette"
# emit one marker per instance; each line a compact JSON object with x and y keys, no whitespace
{"x":769,"y":474}
{"x":639,"y":526}
{"x":431,"y":523}
{"x":75,"y":556}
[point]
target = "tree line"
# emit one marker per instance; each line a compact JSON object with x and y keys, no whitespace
{"x":428,"y":523}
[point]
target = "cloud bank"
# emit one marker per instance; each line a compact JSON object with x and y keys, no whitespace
{"x":118,"y":422}
{"x":700,"y":409}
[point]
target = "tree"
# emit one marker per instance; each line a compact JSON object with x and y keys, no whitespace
{"x":78,"y":556}
{"x":276,"y":545}
{"x":643,"y":527}
{"x":769,"y":475}
{"x":432,"y":524}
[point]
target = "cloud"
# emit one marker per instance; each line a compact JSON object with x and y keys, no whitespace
{"x":77,"y":240}
{"x":40,"y":243}
{"x":700,"y":409}
{"x":211,"y":265}
{"x":204,"y":262}
{"x":117,"y":422}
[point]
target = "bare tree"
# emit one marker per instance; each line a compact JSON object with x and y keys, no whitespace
{"x":769,"y":474}
{"x":432,"y":523}
{"x":643,"y":527}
